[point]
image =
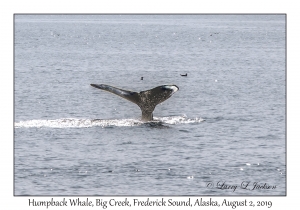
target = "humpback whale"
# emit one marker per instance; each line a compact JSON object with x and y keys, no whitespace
{"x":146,"y":100}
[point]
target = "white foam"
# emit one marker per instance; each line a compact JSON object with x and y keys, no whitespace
{"x":86,"y":123}
{"x":178,"y":120}
{"x":75,"y":123}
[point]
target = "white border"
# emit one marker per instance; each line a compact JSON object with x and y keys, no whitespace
{"x":8,"y":8}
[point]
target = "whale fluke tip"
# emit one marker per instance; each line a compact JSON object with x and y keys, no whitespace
{"x":97,"y":86}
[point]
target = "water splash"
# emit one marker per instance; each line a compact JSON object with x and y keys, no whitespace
{"x":86,"y":123}
{"x":178,"y":120}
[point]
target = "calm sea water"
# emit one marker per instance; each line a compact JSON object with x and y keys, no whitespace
{"x":225,"y":126}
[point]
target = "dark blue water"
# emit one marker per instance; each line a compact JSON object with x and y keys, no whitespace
{"x":226,"y":124}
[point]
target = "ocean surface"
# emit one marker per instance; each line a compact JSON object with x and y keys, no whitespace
{"x":222,"y":133}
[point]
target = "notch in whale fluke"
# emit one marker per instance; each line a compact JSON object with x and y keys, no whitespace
{"x":146,"y":100}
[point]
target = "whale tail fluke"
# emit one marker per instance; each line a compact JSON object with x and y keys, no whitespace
{"x":146,"y":100}
{"x":128,"y":95}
